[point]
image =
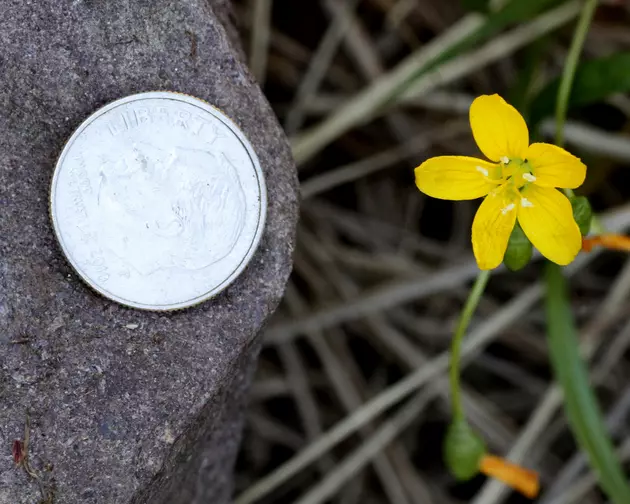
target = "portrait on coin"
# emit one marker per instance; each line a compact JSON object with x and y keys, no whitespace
{"x":159,"y":209}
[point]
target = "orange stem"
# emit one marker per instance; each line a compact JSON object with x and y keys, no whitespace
{"x":520,"y":479}
{"x":609,"y":241}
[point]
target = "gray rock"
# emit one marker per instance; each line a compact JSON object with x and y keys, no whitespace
{"x":121,"y":415}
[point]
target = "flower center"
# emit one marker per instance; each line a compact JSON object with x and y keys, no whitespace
{"x":516,"y":172}
{"x":510,"y":175}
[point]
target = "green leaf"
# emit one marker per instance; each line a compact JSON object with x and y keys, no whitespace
{"x":476,"y":5}
{"x":582,"y":213}
{"x":580,"y":404}
{"x":594,"y":80}
{"x":463,"y":450}
{"x":519,"y":250}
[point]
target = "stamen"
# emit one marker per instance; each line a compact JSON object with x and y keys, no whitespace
{"x":482,"y":170}
{"x":508,"y":208}
{"x":520,"y":479}
{"x":529,"y":177}
{"x":526,"y":203}
{"x":505,"y":160}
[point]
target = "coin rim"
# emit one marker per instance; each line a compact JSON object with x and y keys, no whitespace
{"x":262,"y":200}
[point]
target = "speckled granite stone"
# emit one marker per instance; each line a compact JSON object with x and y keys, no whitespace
{"x":145,"y":415}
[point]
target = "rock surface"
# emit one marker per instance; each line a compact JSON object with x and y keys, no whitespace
{"x":125,"y":406}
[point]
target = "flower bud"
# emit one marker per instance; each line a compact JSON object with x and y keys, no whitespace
{"x":582,"y":213}
{"x":519,"y":250}
{"x":463,"y":450}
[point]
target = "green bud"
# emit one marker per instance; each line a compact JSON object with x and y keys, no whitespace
{"x":582,"y":213}
{"x":463,"y":450}
{"x":519,"y":250}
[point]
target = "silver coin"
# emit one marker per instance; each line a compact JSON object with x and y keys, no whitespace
{"x":158,"y":201}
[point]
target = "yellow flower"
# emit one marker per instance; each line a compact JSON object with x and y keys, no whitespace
{"x":519,"y":182}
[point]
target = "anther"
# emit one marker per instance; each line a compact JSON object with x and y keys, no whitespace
{"x":526,"y":203}
{"x":505,"y":160}
{"x":508,"y":208}
{"x":529,"y":177}
{"x":482,"y":170}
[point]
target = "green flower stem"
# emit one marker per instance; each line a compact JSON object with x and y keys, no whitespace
{"x":564,"y":91}
{"x":456,"y":345}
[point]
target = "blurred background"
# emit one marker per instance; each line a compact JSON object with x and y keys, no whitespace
{"x":366,"y":90}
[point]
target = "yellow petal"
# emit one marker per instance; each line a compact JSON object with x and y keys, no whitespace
{"x":546,"y":217}
{"x":498,"y":128}
{"x":455,"y":177}
{"x":555,"y":167}
{"x":493,"y":225}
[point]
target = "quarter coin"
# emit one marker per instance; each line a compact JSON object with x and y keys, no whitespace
{"x":158,"y":201}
